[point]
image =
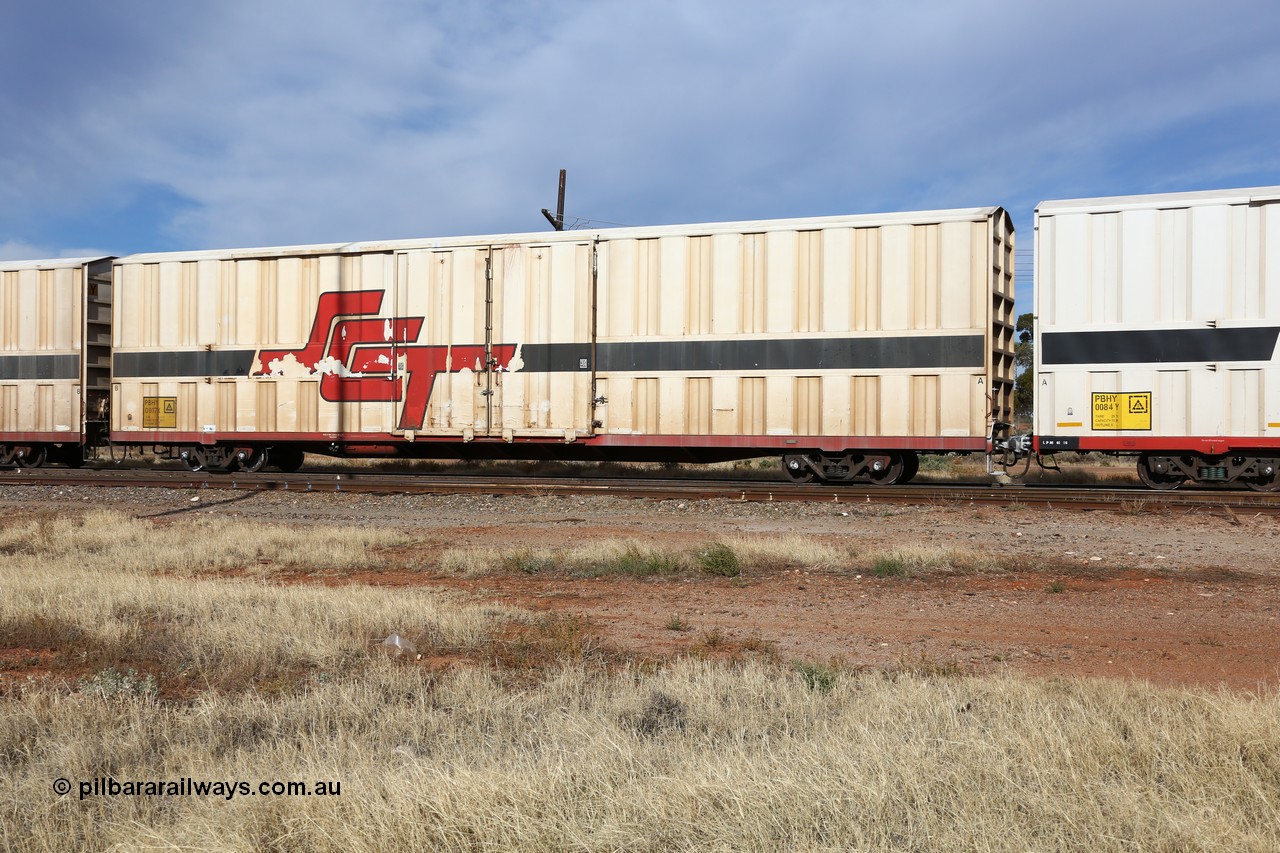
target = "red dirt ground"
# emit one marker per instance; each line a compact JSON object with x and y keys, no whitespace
{"x":1200,"y":630}
{"x":1185,"y":599}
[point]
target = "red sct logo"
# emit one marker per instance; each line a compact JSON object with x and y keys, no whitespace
{"x":356,"y":354}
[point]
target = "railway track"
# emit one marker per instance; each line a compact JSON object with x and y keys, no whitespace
{"x":1136,"y":499}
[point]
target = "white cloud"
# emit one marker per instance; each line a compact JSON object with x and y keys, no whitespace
{"x":16,"y":250}
{"x":300,"y":122}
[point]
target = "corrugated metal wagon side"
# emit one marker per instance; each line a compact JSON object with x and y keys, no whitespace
{"x":846,"y":343}
{"x":55,"y":342}
{"x":406,"y":348}
{"x":1156,"y":326}
{"x":194,"y":332}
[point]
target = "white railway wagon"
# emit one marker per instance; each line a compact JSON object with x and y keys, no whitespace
{"x":1156,"y":325}
{"x":846,"y":344}
{"x":55,"y":339}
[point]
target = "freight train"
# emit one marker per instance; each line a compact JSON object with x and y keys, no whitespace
{"x":845,"y":346}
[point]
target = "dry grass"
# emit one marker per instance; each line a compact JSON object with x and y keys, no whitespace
{"x":915,"y":560}
{"x":192,"y":545}
{"x":100,"y":591}
{"x":1085,"y":469}
{"x":687,"y":756}
{"x":944,"y":468}
{"x":1075,"y":469}
{"x":790,"y":552}
{"x":589,"y":559}
{"x":596,"y":558}
{"x":693,"y":757}
{"x":729,"y":557}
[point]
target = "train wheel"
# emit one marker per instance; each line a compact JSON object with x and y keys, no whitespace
{"x":798,"y":469}
{"x":193,"y":458}
{"x":1155,"y":479}
{"x":34,"y":457}
{"x":253,"y":461}
{"x":1268,"y":479}
{"x":885,"y":470}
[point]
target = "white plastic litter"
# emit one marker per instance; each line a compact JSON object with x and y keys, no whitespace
{"x":398,"y":647}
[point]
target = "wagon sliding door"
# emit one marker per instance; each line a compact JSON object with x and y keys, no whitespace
{"x":504,"y":348}
{"x":543,"y":316}
{"x":439,"y":305}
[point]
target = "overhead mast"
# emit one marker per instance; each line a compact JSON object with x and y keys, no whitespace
{"x":557,"y":221}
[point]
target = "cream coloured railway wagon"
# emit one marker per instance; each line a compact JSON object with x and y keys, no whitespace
{"x":845,"y":344}
{"x":55,"y":338}
{"x":1156,"y":325}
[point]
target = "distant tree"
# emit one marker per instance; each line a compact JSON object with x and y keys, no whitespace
{"x":1024,"y":360}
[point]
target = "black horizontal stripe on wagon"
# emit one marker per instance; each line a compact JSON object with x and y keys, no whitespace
{"x":750,"y":354}
{"x":47,"y":367}
{"x":1157,"y":346}
{"x":161,"y":364}
{"x":738,"y":355}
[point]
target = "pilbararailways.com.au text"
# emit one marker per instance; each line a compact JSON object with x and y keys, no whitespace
{"x":188,"y":787}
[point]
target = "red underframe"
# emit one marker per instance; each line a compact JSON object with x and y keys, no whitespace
{"x":64,"y":437}
{"x":1208,"y":445}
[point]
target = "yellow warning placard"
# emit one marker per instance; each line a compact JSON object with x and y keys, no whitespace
{"x":1124,"y":410}
{"x":159,"y":412}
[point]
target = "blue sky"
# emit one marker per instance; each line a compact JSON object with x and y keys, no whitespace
{"x":147,"y":126}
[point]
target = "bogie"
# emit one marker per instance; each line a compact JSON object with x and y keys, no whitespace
{"x":881,"y":469}
{"x":1169,"y":471}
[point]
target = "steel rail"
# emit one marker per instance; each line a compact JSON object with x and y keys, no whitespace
{"x":1135,"y":498}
